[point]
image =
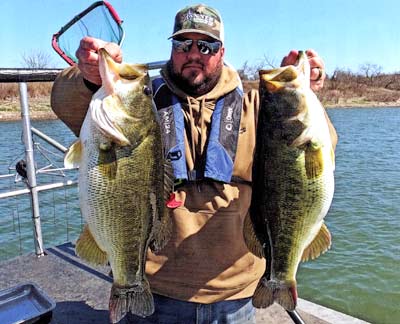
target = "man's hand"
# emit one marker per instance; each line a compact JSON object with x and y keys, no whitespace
{"x":317,"y":73}
{"x":88,"y":58}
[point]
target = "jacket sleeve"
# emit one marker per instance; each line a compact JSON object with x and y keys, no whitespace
{"x":70,"y":98}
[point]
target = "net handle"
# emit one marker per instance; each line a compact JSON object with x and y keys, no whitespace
{"x":54,"y":41}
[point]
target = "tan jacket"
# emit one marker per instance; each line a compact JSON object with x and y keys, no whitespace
{"x":206,"y":259}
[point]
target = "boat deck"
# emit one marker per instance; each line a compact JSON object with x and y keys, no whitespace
{"x":81,"y":291}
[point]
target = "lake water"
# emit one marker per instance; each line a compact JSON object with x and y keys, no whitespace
{"x":359,"y":276}
{"x":60,"y":215}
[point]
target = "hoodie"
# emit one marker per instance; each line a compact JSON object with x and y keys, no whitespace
{"x":206,"y":259}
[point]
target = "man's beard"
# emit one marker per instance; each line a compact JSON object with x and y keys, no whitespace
{"x":190,"y":87}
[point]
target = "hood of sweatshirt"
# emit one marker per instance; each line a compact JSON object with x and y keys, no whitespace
{"x":197,"y":113}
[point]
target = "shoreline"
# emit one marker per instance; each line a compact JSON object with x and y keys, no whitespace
{"x":7,"y":116}
{"x":364,"y":105}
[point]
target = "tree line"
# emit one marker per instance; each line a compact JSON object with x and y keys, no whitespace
{"x":368,"y":85}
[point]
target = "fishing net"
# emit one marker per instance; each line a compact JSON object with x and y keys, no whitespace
{"x":100,"y":20}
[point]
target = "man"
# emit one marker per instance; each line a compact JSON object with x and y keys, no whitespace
{"x":205,"y":274}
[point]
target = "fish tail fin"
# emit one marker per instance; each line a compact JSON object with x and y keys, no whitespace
{"x":137,"y":299}
{"x":286,"y":296}
{"x":87,"y":248}
{"x":269,"y":291}
{"x":264,"y":295}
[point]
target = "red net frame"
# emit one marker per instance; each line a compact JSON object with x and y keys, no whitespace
{"x":56,"y":36}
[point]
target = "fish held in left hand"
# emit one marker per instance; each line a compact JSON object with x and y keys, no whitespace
{"x":293,"y":181}
{"x":123,"y":183}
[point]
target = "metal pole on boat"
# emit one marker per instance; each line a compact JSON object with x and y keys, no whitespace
{"x":155,"y":65}
{"x":295,"y":316}
{"x":30,"y":166}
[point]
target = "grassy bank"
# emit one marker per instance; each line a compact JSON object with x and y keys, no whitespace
{"x":38,"y":101}
{"x":39,"y":109}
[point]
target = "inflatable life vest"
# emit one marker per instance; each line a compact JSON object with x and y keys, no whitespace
{"x":223,"y":138}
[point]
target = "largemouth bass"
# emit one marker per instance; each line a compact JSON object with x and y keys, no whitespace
{"x":122,"y":185}
{"x":293,"y":181}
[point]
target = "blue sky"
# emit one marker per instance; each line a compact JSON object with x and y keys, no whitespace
{"x":346,"y":33}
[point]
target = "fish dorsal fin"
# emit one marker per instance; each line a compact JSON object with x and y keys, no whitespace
{"x":320,"y":244}
{"x":250,"y":237}
{"x":162,"y":223}
{"x":168,"y":179}
{"x":73,"y":156}
{"x":105,"y":112}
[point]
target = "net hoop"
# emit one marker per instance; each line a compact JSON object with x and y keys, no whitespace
{"x":111,"y":10}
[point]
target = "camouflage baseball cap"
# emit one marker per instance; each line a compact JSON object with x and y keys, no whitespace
{"x":199,"y":19}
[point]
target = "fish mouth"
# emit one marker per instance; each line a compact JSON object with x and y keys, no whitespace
{"x":124,"y":70}
{"x":278,"y":79}
{"x":286,"y":76}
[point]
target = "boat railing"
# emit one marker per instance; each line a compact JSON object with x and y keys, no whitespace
{"x":22,"y":76}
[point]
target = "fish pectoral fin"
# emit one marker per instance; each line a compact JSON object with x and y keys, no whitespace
{"x":73,"y":156}
{"x":109,"y":170}
{"x":314,"y":162}
{"x":250,"y":237}
{"x":105,"y":115}
{"x":108,"y":163}
{"x":321,"y":243}
{"x":87,"y":248}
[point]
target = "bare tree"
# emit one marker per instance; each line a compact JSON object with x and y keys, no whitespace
{"x":270,"y":63}
{"x":244,"y":70}
{"x":250,"y":72}
{"x":36,"y":59}
{"x":370,"y":71}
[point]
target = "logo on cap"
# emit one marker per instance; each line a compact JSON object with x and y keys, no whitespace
{"x":199,"y":18}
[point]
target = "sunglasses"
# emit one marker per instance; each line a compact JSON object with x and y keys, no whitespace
{"x":205,"y":48}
